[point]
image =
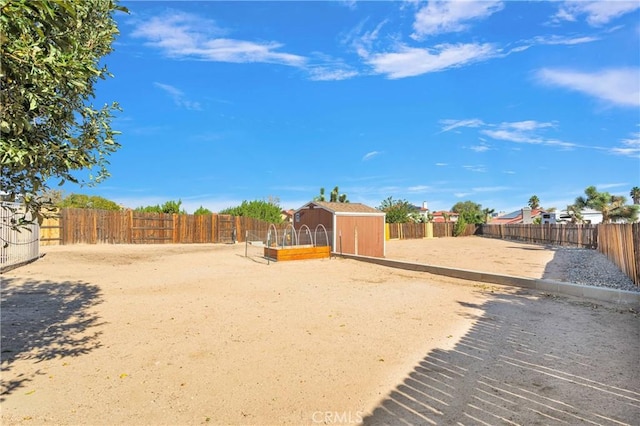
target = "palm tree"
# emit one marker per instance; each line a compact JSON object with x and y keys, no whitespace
{"x":534,"y":202}
{"x":635,"y":194}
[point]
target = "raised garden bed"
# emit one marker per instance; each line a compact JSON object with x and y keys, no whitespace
{"x":297,"y":252}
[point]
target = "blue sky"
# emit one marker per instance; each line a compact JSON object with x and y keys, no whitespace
{"x":442,"y":102}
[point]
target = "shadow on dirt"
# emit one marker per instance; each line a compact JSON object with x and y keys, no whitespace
{"x":526,"y":361}
{"x":42,"y":320}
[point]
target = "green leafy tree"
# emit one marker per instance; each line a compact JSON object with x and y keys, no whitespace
{"x":81,"y":201}
{"x":635,"y":194}
{"x":534,"y":202}
{"x":202,"y":211}
{"x":469,"y":211}
{"x":169,"y":207}
{"x":320,"y":197}
{"x":397,"y":211}
{"x":459,"y":227}
{"x":51,"y":53}
{"x":612,"y":207}
{"x":258,"y":209}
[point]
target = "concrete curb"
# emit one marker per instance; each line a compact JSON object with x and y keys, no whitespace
{"x":603,"y":294}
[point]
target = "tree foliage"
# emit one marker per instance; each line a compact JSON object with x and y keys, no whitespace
{"x":51,"y":60}
{"x":202,"y":210}
{"x":170,"y":207}
{"x":612,"y":207}
{"x":469,"y":211}
{"x":263,"y":210}
{"x":81,"y":201}
{"x":334,"y":197}
{"x":397,"y":211}
{"x":460,"y":226}
{"x":534,"y":202}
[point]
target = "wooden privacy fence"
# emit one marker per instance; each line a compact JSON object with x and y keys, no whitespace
{"x":557,"y":234}
{"x":87,"y":226}
{"x":621,"y":244}
{"x":405,"y":231}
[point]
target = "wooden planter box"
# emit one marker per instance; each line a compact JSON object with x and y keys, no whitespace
{"x":297,"y":252}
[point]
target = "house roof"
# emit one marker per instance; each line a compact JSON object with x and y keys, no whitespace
{"x":343,"y":207}
{"x":514,"y":217}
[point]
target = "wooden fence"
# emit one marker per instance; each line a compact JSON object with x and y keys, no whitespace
{"x":621,"y":244}
{"x":87,"y":226}
{"x":558,"y":235}
{"x":404,"y":231}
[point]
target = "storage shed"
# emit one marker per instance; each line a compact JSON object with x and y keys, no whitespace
{"x":353,"y":228}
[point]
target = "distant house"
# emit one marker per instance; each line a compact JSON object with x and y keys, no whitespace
{"x":287,"y":215}
{"x":438,"y":216}
{"x":524,"y":215}
{"x":588,"y":216}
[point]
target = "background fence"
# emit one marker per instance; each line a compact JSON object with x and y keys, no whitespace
{"x":406,"y":231}
{"x":86,"y":226}
{"x":558,"y":235}
{"x":18,"y":245}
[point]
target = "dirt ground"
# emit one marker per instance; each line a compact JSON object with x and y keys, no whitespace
{"x":201,"y":334}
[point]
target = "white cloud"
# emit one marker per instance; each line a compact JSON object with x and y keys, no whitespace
{"x":630,"y":147}
{"x":478,"y":169}
{"x":490,"y":188}
{"x":527,"y":125}
{"x":618,"y":86}
{"x":370,"y":155}
{"x":449,"y":124}
{"x":182,"y":35}
{"x":442,"y":164}
{"x":451,"y":16}
{"x":526,"y":132}
{"x":178,"y":97}
{"x":350,"y":4}
{"x":410,"y":61}
{"x":480,"y":148}
{"x":419,"y":188}
{"x":323,"y":73}
{"x":562,"y":40}
{"x":597,"y":13}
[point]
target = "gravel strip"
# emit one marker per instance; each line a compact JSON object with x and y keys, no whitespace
{"x":590,"y":267}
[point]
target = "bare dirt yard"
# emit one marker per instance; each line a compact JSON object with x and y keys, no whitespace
{"x":201,"y":334}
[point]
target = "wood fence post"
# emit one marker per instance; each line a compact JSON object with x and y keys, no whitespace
{"x":176,"y":230}
{"x":130,"y":227}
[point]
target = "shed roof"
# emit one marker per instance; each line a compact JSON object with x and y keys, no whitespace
{"x":344,"y":207}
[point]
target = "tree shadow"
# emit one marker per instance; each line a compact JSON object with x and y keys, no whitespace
{"x":43,"y":320}
{"x":524,"y":361}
